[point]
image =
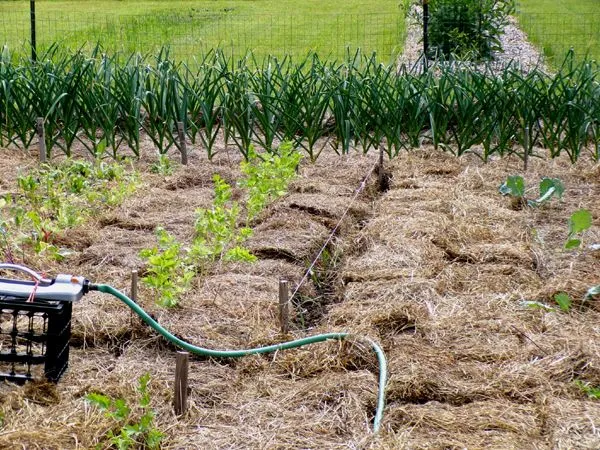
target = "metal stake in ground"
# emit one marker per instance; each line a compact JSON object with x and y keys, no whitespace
{"x":41,"y":132}
{"x":182,"y":144}
{"x":180,"y":396}
{"x":284,"y":318}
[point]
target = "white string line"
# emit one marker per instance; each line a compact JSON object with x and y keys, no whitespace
{"x":312,"y":265}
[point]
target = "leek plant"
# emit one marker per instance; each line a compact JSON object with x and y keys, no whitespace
{"x":103,"y":102}
{"x":205,"y":113}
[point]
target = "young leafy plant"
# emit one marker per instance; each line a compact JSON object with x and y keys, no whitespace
{"x":514,"y":186}
{"x":169,"y":272}
{"x":55,"y":198}
{"x":591,"y":391}
{"x":564,"y":301}
{"x":162,"y":166}
{"x":267,"y":176}
{"x":131,"y":434}
{"x":579,"y":222}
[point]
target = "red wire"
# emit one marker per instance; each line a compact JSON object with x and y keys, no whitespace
{"x":31,"y":297}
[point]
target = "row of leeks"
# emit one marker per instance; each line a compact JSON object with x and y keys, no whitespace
{"x":106,"y":102}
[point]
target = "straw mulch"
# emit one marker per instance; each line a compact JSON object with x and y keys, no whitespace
{"x":436,"y":269}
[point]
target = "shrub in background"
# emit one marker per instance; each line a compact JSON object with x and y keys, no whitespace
{"x":467,"y":29}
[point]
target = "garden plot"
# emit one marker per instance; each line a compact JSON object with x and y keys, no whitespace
{"x":436,"y":269}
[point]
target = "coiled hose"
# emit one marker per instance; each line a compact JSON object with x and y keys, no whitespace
{"x":258,"y":350}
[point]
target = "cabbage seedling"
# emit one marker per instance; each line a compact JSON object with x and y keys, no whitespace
{"x":514,"y":186}
{"x":579,"y":221}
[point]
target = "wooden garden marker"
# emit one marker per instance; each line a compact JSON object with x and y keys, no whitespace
{"x":284,"y":318}
{"x":133,"y":293}
{"x":182,"y":144}
{"x":526,"y":144}
{"x":181,"y":383}
{"x":381,"y":174}
{"x":41,"y":132}
{"x":134,"y":285}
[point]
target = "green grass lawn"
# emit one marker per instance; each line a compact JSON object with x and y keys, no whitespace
{"x":191,"y":28}
{"x":557,"y":25}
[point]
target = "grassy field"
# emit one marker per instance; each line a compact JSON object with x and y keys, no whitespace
{"x":558,"y":25}
{"x":193,"y":27}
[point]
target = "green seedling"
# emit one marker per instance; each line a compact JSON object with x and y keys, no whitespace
{"x":169,"y":273}
{"x":54,"y":198}
{"x":564,"y":301}
{"x":267,"y":176}
{"x":580,"y":221}
{"x":131,"y":433}
{"x":239,"y":254}
{"x":217,"y":234}
{"x":162,"y":166}
{"x":591,"y":391}
{"x":514,"y":187}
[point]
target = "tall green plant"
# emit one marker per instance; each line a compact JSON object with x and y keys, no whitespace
{"x":467,"y":28}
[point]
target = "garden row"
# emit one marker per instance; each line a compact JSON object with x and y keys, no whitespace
{"x":104,"y":102}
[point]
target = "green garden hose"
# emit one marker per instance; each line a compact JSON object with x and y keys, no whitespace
{"x":258,"y":350}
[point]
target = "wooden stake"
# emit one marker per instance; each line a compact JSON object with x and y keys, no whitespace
{"x":182,"y":144}
{"x":526,"y":144}
{"x":133,"y":293}
{"x":284,"y":319}
{"x":134,"y":285}
{"x":41,"y":132}
{"x":381,"y":174}
{"x":181,"y":383}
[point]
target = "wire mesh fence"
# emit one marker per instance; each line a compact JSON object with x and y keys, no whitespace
{"x":192,"y":34}
{"x":555,"y":34}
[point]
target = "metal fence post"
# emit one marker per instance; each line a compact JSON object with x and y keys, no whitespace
{"x":425,"y":27}
{"x":33,"y":34}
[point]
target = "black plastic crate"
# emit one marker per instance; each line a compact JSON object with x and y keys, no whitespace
{"x":32,"y":335}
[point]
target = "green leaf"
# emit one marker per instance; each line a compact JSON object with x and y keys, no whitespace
{"x":239,"y":254}
{"x":513,"y":186}
{"x":587,"y":388}
{"x":572,"y":243}
{"x":101,"y":401}
{"x":580,"y":221}
{"x":548,"y":183}
{"x":154,"y":438}
{"x":563,"y":300}
{"x":121,"y":409}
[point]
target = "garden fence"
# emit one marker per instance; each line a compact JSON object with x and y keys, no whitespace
{"x":555,"y":34}
{"x":191,"y":34}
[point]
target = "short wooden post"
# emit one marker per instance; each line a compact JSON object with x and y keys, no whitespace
{"x":41,"y":132}
{"x":180,"y":397}
{"x":526,"y":154}
{"x":284,"y":319}
{"x":134,"y":285}
{"x":182,"y":144}
{"x":133,"y":294}
{"x":381,"y":174}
